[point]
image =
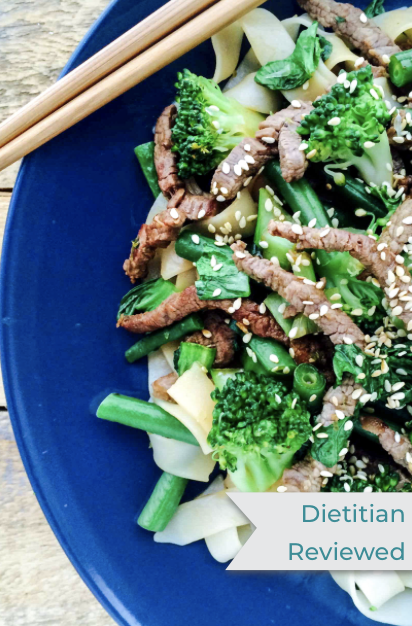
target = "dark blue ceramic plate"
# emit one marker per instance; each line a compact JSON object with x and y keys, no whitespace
{"x":78,"y":203}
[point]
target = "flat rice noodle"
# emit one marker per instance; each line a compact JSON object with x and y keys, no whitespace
{"x":168,"y":350}
{"x":201,"y":518}
{"x":318,"y":85}
{"x":340,"y":54}
{"x":186,"y":279}
{"x":397,"y":24}
{"x":157,"y":366}
{"x":159,"y":205}
{"x":396,"y":608}
{"x":267,"y":36}
{"x":173,"y":264}
{"x":293,"y":24}
{"x":181,"y":459}
{"x":224,"y":546}
{"x":226,"y":44}
{"x":248,"y":65}
{"x":254,"y":96}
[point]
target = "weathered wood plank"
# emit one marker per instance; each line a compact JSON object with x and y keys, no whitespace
{"x":39,"y":586}
{"x":36,"y":40}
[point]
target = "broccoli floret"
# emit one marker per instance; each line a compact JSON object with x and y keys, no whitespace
{"x":347,"y":125}
{"x":362,"y":300}
{"x":387,"y":480}
{"x":257,"y":428}
{"x":208,"y":124}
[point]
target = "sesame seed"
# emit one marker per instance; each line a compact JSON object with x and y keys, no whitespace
{"x":335,"y":296}
{"x":247,"y":337}
{"x":324,"y":309}
{"x":334,"y":121}
{"x":322,"y":435}
{"x":383,"y":256}
{"x":363,"y":18}
{"x":263,"y":244}
{"x":220,"y":198}
{"x":297,"y":229}
{"x":240,"y":255}
{"x":325,"y":232}
{"x":268,"y":139}
{"x":342,"y":77}
{"x":311,"y":153}
{"x":348,"y":425}
{"x":281,"y":489}
{"x":336,"y":305}
{"x":268,"y":205}
{"x":262,"y":308}
{"x":376,"y":373}
{"x":218,"y":267}
{"x":407,"y":220}
{"x":237,"y":304}
{"x":346,"y":487}
{"x":174,"y":214}
{"x":237,"y":170}
{"x":307,"y":302}
{"x":319,"y":285}
{"x":225,"y":168}
{"x":361,"y":376}
{"x":305,"y":86}
{"x":357,"y":394}
{"x":248,"y":181}
{"x":216,"y":124}
{"x":312,"y":223}
{"x":274,"y":260}
{"x":242,"y":222}
{"x":347,"y":340}
{"x":359,"y":360}
{"x":398,"y":396}
{"x":330,"y":211}
{"x":359,"y":61}
{"x":195,"y":239}
{"x":286,"y":370}
{"x":369,"y":144}
{"x":357,"y":312}
{"x":401,"y":372}
{"x":206,"y":333}
{"x":293,"y":333}
{"x":224,"y":191}
{"x":314,"y":316}
{"x":397,"y":310}
{"x":249,"y":159}
{"x":247,"y":147}
{"x":217,"y":293}
{"x":398,"y":139}
{"x":385,"y":58}
{"x":211,"y":228}
{"x":365,"y":398}
{"x":374,"y":94}
{"x":353,"y":85}
{"x":313,"y":398}
{"x":251,"y":218}
{"x":303,"y":146}
{"x":399,"y":259}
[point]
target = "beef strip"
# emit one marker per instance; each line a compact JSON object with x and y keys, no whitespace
{"x":161,"y":386}
{"x":349,"y":22}
{"x":244,"y":161}
{"x":316,"y":349}
{"x":221,"y":337}
{"x":303,"y":295}
{"x":398,"y":446}
{"x":397,"y":232}
{"x":305,"y":476}
{"x":179,"y":305}
{"x":250,"y":155}
{"x":340,"y":399}
{"x":393,"y":277}
{"x":398,"y":136}
{"x":166,"y":160}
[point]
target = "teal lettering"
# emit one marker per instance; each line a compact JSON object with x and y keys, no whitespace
{"x":402,"y":551}
{"x":364,"y":551}
{"x":291,"y":553}
{"x":397,"y":511}
{"x":342,"y":555}
{"x":385,"y":553}
{"x":310,"y":506}
{"x":326,"y":556}
{"x":314,"y":557}
{"x":333,"y":513}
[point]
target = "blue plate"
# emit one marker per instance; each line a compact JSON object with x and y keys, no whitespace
{"x":77,"y":204}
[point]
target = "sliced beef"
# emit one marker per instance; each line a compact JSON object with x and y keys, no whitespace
{"x":398,"y":446}
{"x":303,"y":295}
{"x":339,"y":400}
{"x":399,"y":136}
{"x":165,"y":159}
{"x":305,"y":476}
{"x":251,"y":154}
{"x":350,"y":22}
{"x":316,"y":349}
{"x":179,"y":305}
{"x":162,"y":385}
{"x":244,"y":161}
{"x":388,"y":267}
{"x":397,"y":233}
{"x":218,"y":335}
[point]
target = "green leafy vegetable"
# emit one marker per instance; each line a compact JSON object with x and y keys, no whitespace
{"x":325,"y":48}
{"x":361,"y":300}
{"x":327,"y":451}
{"x":257,"y":428}
{"x":387,"y":480}
{"x":145,"y":297}
{"x":208,"y":124}
{"x":226,"y":281}
{"x":375,"y":8}
{"x":297,"y":68}
{"x":349,"y":126}
{"x":145,"y":155}
{"x":189,"y":353}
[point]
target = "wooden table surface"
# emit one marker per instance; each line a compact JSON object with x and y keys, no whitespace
{"x":38,"y":585}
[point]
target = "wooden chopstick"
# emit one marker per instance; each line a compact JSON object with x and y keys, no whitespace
{"x":140,"y":37}
{"x":153,"y":59}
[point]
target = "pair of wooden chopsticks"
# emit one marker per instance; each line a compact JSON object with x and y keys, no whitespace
{"x":115,"y":69}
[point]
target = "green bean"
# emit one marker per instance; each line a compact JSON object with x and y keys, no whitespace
{"x":400,"y":68}
{"x":273,"y":302}
{"x":189,"y":353}
{"x":277,"y":246}
{"x":310,"y":384}
{"x":153,"y":341}
{"x":163,"y":502}
{"x":145,"y":155}
{"x":272,"y":355}
{"x":144,"y":416}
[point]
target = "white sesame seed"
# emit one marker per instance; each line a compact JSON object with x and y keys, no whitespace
{"x":353,"y":85}
{"x":307,"y":302}
{"x":347,"y":340}
{"x":348,"y":425}
{"x":195,"y":239}
{"x":407,"y":220}
{"x":297,"y":229}
{"x":220,"y":198}
{"x":206,"y":333}
{"x":374,"y":94}
{"x":385,"y":58}
{"x":268,"y":139}
{"x":237,"y":304}
{"x":312,"y":223}
{"x":248,"y":181}
{"x":398,"y":396}
{"x":305,"y":86}
{"x":369,"y":144}
{"x":357,"y":312}
{"x":307,"y":281}
{"x":240,"y":255}
{"x":357,"y":394}
{"x":174,"y":214}
{"x":282,"y":489}
{"x":325,"y":232}
{"x":401,"y":372}
{"x":383,"y":256}
{"x":242,"y":222}
{"x":303,"y":146}
{"x":218,"y":267}
{"x":312,"y":399}
{"x":359,"y":360}
{"x":334,"y":121}
{"x":398,"y":139}
{"x":263,"y":244}
{"x":376,"y":373}
{"x":314,"y":316}
{"x":346,"y":487}
{"x":365,"y":398}
{"x":251,"y":218}
{"x":274,"y":358}
{"x":296,"y":104}
{"x":340,"y":414}
{"x":363,"y":18}
{"x":320,"y":284}
{"x":217,"y":293}
{"x":361,"y":376}
{"x":324,"y":309}
{"x":224,"y":191}
{"x":399,"y":259}
{"x":216,"y":124}
{"x":249,"y":159}
{"x":397,"y":310}
{"x":311,"y":153}
{"x":274,"y":260}
{"x":262,"y":308}
{"x":225,"y":168}
{"x":247,"y":337}
{"x":293,"y":332}
{"x":211,"y":228}
{"x":322,"y":435}
{"x":341,"y":78}
{"x":237,"y":169}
